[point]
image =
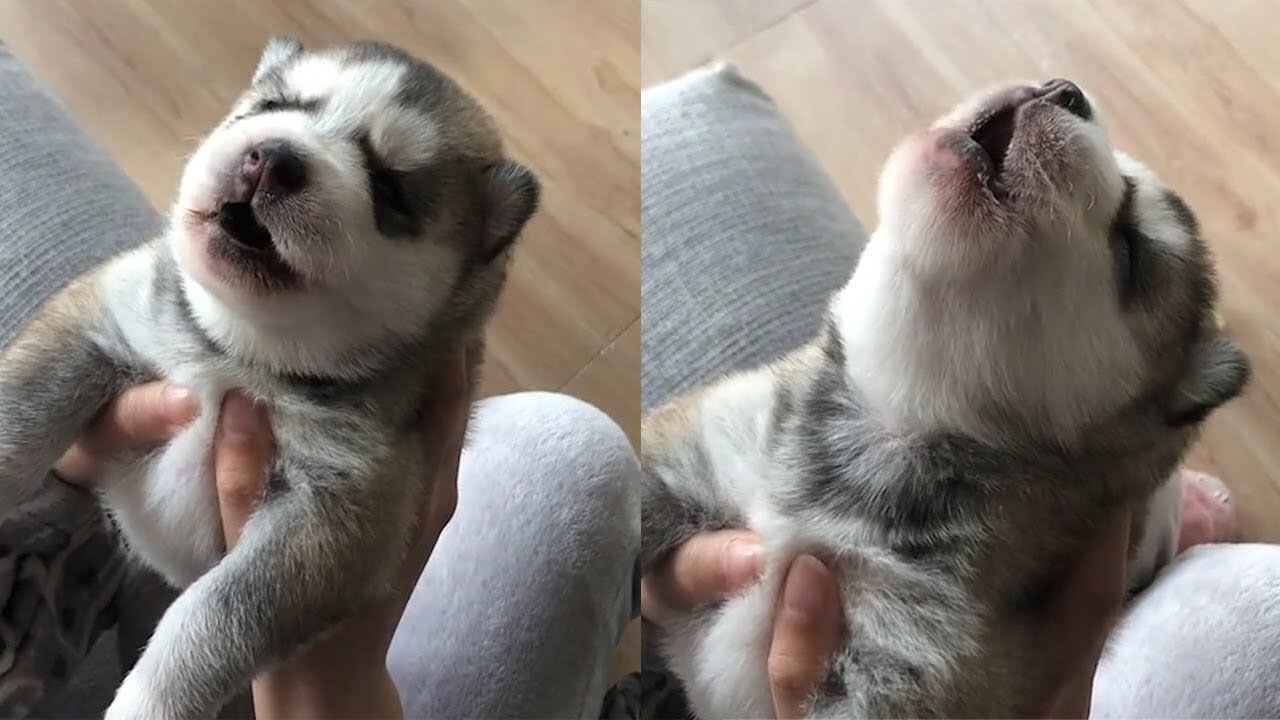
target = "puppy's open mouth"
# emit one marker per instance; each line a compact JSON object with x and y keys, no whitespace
{"x":995,"y":129}
{"x":241,"y":226}
{"x":242,"y":246}
{"x":995,"y":133}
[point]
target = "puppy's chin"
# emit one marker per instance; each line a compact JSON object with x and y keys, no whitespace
{"x":231,"y":270}
{"x":948,"y":205}
{"x":937,"y":204}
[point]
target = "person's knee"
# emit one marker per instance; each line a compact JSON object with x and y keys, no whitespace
{"x":1200,"y":642}
{"x":573,"y":458}
{"x":569,"y":472}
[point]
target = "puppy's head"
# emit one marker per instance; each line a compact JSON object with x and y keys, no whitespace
{"x":355,"y":186}
{"x":1025,"y":273}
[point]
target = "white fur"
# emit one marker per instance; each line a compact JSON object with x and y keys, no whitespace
{"x":166,"y":502}
{"x":1065,"y":352}
{"x":314,"y":76}
{"x":1155,"y":219}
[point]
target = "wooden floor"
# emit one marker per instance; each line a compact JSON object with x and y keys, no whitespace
{"x":1190,"y":87}
{"x":147,"y":78}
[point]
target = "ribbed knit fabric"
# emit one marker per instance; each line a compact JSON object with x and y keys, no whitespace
{"x":744,"y":237}
{"x":64,"y":207}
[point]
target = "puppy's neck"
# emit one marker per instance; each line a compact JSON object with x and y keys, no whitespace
{"x":894,"y":367}
{"x":315,"y":339}
{"x":927,"y":357}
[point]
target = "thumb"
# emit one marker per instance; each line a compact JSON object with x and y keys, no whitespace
{"x":140,"y":417}
{"x":241,"y":461}
{"x":707,"y":568}
{"x":808,"y":629}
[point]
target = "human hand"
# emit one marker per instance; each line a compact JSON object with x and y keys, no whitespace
{"x":1081,"y":616}
{"x":343,"y":674}
{"x":808,"y":624}
{"x":139,"y":418}
{"x":714,"y":566}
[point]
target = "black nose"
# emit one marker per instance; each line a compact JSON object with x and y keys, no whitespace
{"x":1065,"y":94}
{"x":274,"y":166}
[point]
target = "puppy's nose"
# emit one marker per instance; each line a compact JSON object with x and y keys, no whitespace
{"x":1067,"y":95}
{"x":273,"y":166}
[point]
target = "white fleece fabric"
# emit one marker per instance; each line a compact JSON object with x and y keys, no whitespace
{"x":1202,"y":642}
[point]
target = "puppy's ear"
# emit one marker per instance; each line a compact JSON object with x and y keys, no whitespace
{"x":1217,"y":373}
{"x":509,"y":195}
{"x":277,"y":50}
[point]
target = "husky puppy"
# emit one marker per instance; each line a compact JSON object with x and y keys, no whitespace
{"x":342,"y":232}
{"x":1026,"y":345}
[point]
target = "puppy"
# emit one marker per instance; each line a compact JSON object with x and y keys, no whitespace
{"x":1026,"y":345}
{"x":341,"y":233}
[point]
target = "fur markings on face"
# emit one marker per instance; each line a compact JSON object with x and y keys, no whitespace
{"x":340,"y":204}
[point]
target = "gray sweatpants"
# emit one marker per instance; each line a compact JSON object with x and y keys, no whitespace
{"x":745,"y":239}
{"x":532,"y":582}
{"x":522,"y":602}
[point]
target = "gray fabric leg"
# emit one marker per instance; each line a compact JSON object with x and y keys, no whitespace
{"x":744,"y":238}
{"x":531,"y":585}
{"x":64,"y":207}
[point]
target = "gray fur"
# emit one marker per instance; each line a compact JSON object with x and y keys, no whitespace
{"x":345,"y":486}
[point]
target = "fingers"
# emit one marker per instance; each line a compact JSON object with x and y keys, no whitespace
{"x":1073,"y":699}
{"x":1097,"y":583}
{"x":1081,"y":615}
{"x":708,"y":568}
{"x":138,"y":418}
{"x":446,"y":424}
{"x":446,"y":431}
{"x":243,"y":449}
{"x":808,"y":629}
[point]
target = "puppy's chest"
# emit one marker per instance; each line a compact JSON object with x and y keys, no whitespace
{"x":842,"y":484}
{"x":165,"y":501}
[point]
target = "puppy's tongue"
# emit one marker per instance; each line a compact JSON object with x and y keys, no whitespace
{"x":995,"y":133}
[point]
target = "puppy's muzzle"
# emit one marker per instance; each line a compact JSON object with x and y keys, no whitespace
{"x":275,"y":168}
{"x":1068,"y":96}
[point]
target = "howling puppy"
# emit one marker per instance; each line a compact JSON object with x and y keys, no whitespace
{"x":1027,"y":345}
{"x":346,"y":229}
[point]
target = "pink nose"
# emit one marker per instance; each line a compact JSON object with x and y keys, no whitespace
{"x":273,"y":166}
{"x":251,"y":170}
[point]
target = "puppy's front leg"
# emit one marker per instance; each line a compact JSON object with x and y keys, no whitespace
{"x":53,"y":379}
{"x":307,"y":558}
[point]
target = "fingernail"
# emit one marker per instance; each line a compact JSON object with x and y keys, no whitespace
{"x":179,"y":404}
{"x":1215,"y":487}
{"x":803,"y":594}
{"x":239,"y":417}
{"x":741,"y":561}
